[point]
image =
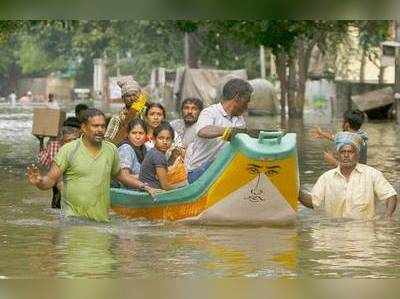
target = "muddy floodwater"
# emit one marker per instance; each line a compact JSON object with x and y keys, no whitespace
{"x":38,"y":242}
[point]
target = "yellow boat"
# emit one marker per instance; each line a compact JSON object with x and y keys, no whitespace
{"x":253,"y":181}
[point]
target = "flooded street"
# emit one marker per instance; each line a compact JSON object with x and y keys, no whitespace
{"x":38,"y":242}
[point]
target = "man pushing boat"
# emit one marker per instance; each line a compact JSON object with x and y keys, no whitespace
{"x":87,"y":165}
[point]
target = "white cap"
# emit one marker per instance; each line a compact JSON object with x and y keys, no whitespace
{"x":29,"y":93}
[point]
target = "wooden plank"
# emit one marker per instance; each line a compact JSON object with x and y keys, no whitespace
{"x":373,"y":99}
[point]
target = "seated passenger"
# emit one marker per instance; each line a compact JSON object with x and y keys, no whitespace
{"x":154,"y":115}
{"x":133,"y":150}
{"x":155,"y":165}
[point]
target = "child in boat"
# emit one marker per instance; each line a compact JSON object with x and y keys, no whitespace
{"x":352,"y":122}
{"x":155,"y":165}
{"x":132,"y":150}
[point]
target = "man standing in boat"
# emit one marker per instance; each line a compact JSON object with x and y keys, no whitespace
{"x":87,"y":165}
{"x":349,"y":190}
{"x":217,"y":124}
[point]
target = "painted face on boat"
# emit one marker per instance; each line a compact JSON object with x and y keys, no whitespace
{"x":163,"y":141}
{"x":154,"y":117}
{"x":137,"y":135}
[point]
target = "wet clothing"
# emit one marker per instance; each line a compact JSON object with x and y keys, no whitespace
{"x":86,"y":191}
{"x":355,"y":198}
{"x":154,"y":158}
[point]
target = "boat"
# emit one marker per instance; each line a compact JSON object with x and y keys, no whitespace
{"x":253,"y":181}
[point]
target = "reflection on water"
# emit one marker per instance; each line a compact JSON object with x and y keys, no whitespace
{"x":36,"y":241}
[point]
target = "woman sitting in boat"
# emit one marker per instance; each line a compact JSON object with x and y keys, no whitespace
{"x":154,"y":115}
{"x":133,"y":150}
{"x":154,"y":170}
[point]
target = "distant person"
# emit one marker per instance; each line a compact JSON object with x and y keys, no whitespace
{"x":52,"y":103}
{"x":87,"y":165}
{"x":27,"y":98}
{"x":349,"y":190}
{"x":154,"y":169}
{"x":217,"y":124}
{"x":134,"y":102}
{"x":352,"y":122}
{"x":185,"y":127}
{"x":13,"y":98}
{"x":133,"y":150}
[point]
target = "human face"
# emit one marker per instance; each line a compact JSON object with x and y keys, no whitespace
{"x":129,"y":99}
{"x":163,"y":141}
{"x":94,"y":129}
{"x":70,"y":137}
{"x":154,"y":117}
{"x":240,"y":105}
{"x":137,"y":135}
{"x":190,"y":113}
{"x":348,"y":156}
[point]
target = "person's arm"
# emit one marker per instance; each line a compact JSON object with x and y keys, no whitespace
{"x":317,"y":133}
{"x":43,"y":182}
{"x":133,"y":182}
{"x":306,"y":199}
{"x":41,"y":142}
{"x":331,"y":159}
{"x":162,"y":177}
{"x":391,"y":204}
{"x":210,"y":132}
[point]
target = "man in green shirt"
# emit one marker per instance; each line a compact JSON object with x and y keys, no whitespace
{"x":87,"y":166}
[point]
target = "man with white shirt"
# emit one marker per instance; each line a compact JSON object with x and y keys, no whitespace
{"x":349,"y":191}
{"x":216,"y":125}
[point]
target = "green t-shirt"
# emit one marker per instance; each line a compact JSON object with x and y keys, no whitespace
{"x":86,"y":191}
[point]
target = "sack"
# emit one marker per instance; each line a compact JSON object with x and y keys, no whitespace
{"x":177,"y":174}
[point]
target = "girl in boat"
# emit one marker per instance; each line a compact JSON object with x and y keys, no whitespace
{"x":154,"y":170}
{"x":133,"y":150}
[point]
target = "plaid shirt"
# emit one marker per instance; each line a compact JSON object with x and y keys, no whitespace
{"x":47,"y":154}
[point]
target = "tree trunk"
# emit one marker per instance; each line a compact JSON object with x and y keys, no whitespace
{"x":190,"y":50}
{"x":13,"y":76}
{"x":291,"y":92}
{"x":281,"y":72}
{"x":381,"y":76}
{"x":304,"y":51}
{"x":362,"y":66}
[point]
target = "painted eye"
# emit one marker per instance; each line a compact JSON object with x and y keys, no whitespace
{"x":272,"y":170}
{"x":253,"y":168}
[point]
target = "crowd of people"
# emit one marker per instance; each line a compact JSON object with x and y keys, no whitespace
{"x":140,"y":149}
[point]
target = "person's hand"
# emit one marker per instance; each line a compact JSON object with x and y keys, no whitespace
{"x":317,"y":133}
{"x":33,"y":174}
{"x":251,"y":132}
{"x":330,"y":158}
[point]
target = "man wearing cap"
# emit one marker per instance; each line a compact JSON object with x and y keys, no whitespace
{"x":134,"y":100}
{"x":349,"y":190}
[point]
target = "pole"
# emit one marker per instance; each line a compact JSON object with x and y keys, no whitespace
{"x":262,"y":62}
{"x":397,"y":74}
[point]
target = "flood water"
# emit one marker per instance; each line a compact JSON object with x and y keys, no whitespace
{"x":38,"y":242}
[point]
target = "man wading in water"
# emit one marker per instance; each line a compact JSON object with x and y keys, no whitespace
{"x":87,"y":165}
